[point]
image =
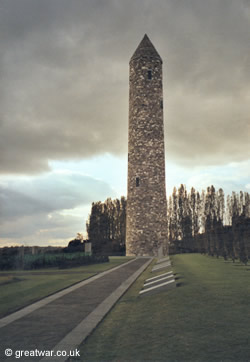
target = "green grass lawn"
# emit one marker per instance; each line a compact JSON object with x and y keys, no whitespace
{"x":20,"y":288}
{"x":206,"y":318}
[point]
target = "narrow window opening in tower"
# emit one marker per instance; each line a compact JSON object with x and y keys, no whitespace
{"x":162,"y":104}
{"x":149,"y":74}
{"x":137,"y":181}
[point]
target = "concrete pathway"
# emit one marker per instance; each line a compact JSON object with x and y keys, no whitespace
{"x":62,"y":321}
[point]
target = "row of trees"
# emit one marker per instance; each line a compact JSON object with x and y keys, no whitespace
{"x":197,"y":222}
{"x":204,"y":222}
{"x":106,"y":226}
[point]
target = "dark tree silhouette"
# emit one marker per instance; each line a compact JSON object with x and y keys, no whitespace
{"x":106,"y":226}
{"x":197,"y":222}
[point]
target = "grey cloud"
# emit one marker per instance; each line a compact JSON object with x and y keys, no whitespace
{"x":41,"y":209}
{"x":64,"y":78}
{"x":49,"y":193}
{"x":214,"y":131}
{"x":41,"y":229}
{"x":15,"y":204}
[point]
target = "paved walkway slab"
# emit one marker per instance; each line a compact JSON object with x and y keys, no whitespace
{"x":49,"y":326}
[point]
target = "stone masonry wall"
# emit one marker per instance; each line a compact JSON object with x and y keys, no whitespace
{"x":146,"y":228}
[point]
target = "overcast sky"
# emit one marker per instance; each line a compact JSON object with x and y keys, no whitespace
{"x":64,"y":104}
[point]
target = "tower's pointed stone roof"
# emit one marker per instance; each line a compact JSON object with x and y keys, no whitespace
{"x":145,"y":49}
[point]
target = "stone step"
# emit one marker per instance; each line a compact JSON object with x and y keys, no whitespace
{"x":162,"y":260}
{"x":158,"y":276}
{"x":170,"y":284}
{"x":158,"y":281}
{"x":161,"y":266}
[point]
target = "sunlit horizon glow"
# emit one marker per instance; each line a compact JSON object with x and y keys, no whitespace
{"x":55,"y":221}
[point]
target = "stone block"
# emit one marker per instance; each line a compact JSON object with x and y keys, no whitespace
{"x":162,"y":260}
{"x":158,"y":281}
{"x":158,"y":276}
{"x":159,"y":288}
{"x":161,"y":266}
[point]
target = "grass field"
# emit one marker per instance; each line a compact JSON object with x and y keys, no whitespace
{"x":206,"y":318}
{"x":20,"y":288}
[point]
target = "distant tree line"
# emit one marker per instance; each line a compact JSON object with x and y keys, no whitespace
{"x":197,"y":222}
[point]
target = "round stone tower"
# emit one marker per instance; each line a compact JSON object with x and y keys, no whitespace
{"x":146,"y":230}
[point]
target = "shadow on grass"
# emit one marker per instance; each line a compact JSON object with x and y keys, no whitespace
{"x":178,"y":278}
{"x":239,"y":265}
{"x":13,"y":280}
{"x":180,"y":284}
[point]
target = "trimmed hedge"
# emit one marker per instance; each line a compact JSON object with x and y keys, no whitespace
{"x":39,"y":261}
